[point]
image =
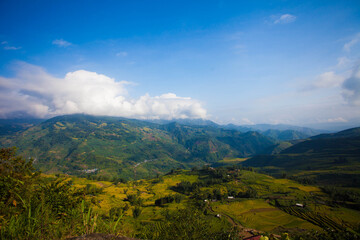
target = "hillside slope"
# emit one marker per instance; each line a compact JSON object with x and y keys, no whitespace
{"x":329,"y":158}
{"x":128,"y":148}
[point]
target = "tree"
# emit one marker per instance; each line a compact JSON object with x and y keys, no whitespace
{"x":17,"y":178}
{"x":136,"y":212}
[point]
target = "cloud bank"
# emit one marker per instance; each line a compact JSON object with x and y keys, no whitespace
{"x":325,"y":80}
{"x":35,"y":92}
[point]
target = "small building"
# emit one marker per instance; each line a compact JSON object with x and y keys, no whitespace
{"x":230,"y":197}
{"x":90,"y":170}
{"x":299,"y":205}
{"x":218,"y":215}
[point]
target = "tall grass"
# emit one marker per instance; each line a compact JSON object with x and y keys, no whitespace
{"x":37,"y":221}
{"x":89,"y":219}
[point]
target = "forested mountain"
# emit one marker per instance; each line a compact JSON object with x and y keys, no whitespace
{"x":129,"y":148}
{"x":187,"y":121}
{"x":280,"y":132}
{"x":326,"y":157}
{"x":11,"y":126}
{"x":348,"y":133}
{"x":285,"y":135}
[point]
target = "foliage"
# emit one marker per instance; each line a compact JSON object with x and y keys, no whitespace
{"x":116,"y":212}
{"x":338,"y":235}
{"x":91,"y":189}
{"x":17,"y":181}
{"x":60,"y":196}
{"x":134,"y":199}
{"x":89,"y":219}
{"x":187,"y":223}
{"x":32,"y":207}
{"x":169,"y":199}
{"x":340,"y":194}
{"x":136,"y":212}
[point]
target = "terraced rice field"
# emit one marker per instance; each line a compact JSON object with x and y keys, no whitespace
{"x":260,"y":215}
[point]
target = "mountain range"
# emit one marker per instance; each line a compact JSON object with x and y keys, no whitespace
{"x":128,"y":148}
{"x":134,"y":149}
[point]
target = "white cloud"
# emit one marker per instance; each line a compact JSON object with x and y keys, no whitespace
{"x":328,"y":79}
{"x":121,"y":54}
{"x":11,"y":48}
{"x":247,"y":121}
{"x":61,"y":43}
{"x":347,"y":46}
{"x":37,"y":93}
{"x":337,"y":120}
{"x":343,"y":62}
{"x":351,"y":87}
{"x":285,"y":18}
{"x":8,"y":47}
{"x":325,"y":80}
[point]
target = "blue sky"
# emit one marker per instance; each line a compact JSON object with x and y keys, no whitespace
{"x":245,"y":62}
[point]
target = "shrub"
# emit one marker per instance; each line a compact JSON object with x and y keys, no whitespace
{"x":136,"y":212}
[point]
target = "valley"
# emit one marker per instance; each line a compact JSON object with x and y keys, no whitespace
{"x":69,"y":144}
{"x":148,"y":180}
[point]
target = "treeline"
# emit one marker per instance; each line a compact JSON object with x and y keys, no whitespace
{"x":341,"y":195}
{"x":107,"y":178}
{"x":169,"y":199}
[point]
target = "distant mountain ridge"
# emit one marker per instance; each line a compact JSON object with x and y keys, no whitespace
{"x":186,"y":121}
{"x":352,"y":132}
{"x":280,"y":132}
{"x":10,"y":126}
{"x":285,"y":135}
{"x":73,"y":143}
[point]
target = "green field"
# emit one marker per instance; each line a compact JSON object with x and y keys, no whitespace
{"x":260,"y":213}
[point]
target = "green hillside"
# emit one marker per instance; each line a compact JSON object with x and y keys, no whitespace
{"x":327,"y":158}
{"x":206,"y":203}
{"x":127,"y":148}
{"x":12,"y":126}
{"x":352,"y":132}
